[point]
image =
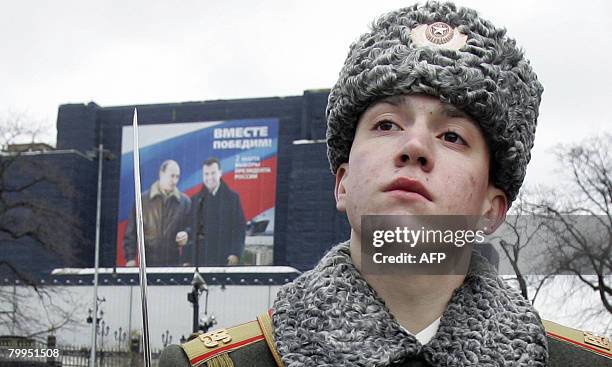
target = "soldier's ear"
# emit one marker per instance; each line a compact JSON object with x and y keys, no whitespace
{"x":340,"y":187}
{"x":495,"y":208}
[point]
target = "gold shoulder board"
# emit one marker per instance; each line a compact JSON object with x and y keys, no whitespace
{"x":218,"y":343}
{"x":582,"y":339}
{"x":265,"y":323}
{"x":213,"y":347}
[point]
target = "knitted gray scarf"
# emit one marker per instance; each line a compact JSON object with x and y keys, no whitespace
{"x":330,"y":316}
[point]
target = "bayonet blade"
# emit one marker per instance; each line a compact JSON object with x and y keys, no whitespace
{"x":141,"y":245}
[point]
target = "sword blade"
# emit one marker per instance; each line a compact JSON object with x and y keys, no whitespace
{"x":141,"y":246}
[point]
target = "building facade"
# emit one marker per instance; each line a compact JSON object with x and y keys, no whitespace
{"x":306,"y":222}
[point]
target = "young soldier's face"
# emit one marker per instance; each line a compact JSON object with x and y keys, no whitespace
{"x":415,"y":155}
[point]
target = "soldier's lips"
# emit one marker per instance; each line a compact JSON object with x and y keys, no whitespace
{"x":408,"y":189}
{"x":407,"y":195}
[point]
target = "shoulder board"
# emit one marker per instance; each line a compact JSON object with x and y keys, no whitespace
{"x":214,"y":346}
{"x":582,"y":339}
{"x":221,"y":341}
{"x":265,"y":323}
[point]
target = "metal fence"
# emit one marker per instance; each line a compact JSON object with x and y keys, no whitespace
{"x":22,"y":353}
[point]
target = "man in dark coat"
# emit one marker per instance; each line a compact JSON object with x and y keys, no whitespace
{"x":218,"y":222}
{"x":166,"y":220}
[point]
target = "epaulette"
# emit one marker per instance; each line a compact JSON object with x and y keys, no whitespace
{"x":582,"y":339}
{"x":214,"y":347}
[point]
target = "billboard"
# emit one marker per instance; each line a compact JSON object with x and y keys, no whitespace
{"x":208,"y":193}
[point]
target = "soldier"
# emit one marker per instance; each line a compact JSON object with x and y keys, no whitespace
{"x":434,"y":112}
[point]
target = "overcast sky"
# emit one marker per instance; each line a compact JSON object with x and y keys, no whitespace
{"x":119,"y":53}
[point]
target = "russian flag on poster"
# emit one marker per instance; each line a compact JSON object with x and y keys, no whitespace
{"x":175,"y":156}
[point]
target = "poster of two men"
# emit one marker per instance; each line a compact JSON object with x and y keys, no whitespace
{"x":205,"y":183}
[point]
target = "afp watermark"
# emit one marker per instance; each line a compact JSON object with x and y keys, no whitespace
{"x":409,"y":244}
{"x":521,"y":245}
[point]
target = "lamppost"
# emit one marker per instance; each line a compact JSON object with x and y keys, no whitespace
{"x":199,"y":286}
{"x":98,"y":312}
{"x":103,"y":331}
{"x":98,"y":318}
{"x":120,"y":337}
{"x":166,"y":338}
{"x":100,"y":154}
{"x":207,"y":322}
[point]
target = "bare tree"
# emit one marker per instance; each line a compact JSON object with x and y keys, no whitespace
{"x":558,"y":241}
{"x":585,"y":248}
{"x":33,"y":211}
{"x":24,"y":212}
{"x":32,"y":310}
{"x":521,"y":230}
{"x":578,"y":219}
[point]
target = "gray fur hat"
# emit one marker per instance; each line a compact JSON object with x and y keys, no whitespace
{"x":424,"y":49}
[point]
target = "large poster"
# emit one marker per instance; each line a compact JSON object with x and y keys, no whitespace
{"x":208,"y":193}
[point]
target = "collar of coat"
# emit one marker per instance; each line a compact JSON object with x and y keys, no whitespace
{"x":221,"y":189}
{"x":331,"y":316}
{"x":156,"y":190}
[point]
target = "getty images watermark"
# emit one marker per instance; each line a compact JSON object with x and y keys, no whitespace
{"x":419,"y":244}
{"x":439,"y":245}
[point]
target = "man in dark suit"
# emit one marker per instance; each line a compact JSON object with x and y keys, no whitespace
{"x":218,"y":220}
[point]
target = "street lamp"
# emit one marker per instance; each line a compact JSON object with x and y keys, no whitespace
{"x":120,"y":336}
{"x":199,"y":286}
{"x":101,"y":154}
{"x":103,"y":330}
{"x":99,"y":316}
{"x":166,"y":338}
{"x":207,"y":322}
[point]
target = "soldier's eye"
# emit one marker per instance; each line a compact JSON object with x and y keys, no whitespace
{"x":453,"y":137}
{"x":386,"y":125}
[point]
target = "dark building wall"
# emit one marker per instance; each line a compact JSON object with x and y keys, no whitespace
{"x":313,"y":116}
{"x":82,"y":127}
{"x":57,"y":209}
{"x":76,"y":127}
{"x":313,"y":223}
